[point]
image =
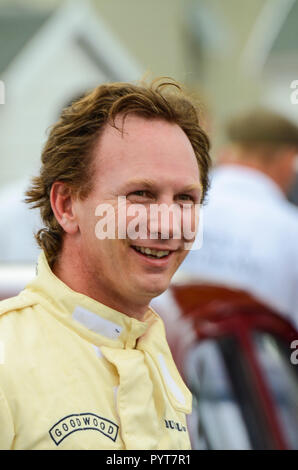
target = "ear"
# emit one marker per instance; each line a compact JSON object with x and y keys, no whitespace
{"x":62,"y":205}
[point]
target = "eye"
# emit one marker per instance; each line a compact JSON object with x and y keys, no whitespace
{"x":140,"y":193}
{"x":186,"y":198}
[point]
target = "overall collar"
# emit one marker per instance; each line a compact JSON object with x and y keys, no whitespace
{"x":109,"y":329}
{"x":93,"y":320}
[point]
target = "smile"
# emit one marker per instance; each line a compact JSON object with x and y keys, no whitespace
{"x":151,"y":253}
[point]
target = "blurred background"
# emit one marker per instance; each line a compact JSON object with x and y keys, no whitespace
{"x":232,"y":56}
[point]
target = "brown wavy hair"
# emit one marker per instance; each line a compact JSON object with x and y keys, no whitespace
{"x":67,"y":155}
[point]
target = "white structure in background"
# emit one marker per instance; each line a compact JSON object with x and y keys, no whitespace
{"x":50,"y":59}
{"x":271,"y":54}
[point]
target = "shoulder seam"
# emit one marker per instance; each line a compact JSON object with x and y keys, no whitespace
{"x":15,"y":303}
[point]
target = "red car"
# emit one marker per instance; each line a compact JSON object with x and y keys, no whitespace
{"x":241,"y":366}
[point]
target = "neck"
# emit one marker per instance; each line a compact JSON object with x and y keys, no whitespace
{"x":275,"y":162}
{"x":72,"y":272}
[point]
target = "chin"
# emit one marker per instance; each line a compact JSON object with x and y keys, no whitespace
{"x":155,"y":289}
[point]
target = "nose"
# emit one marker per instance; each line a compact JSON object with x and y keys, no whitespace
{"x":164,"y":221}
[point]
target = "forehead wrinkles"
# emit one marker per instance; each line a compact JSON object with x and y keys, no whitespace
{"x":142,"y":139}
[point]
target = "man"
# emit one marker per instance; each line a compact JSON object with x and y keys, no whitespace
{"x":250,"y":229}
{"x":82,"y":351}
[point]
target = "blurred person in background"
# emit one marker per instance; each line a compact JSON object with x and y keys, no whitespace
{"x":250,"y":229}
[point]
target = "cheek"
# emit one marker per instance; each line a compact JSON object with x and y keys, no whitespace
{"x":137,"y":219}
{"x":190,"y":221}
{"x":179,"y":257}
{"x":89,"y":236}
{"x":85,"y":214}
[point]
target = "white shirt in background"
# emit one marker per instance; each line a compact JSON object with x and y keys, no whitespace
{"x":250,"y":239}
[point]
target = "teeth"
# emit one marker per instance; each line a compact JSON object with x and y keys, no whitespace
{"x":148,"y":251}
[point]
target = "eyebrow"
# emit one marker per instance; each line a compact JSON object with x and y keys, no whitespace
{"x":142,"y":182}
{"x":147,"y":183}
{"x":192,"y":187}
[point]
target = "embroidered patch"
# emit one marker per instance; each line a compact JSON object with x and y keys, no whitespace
{"x":82,"y":422}
{"x":170,"y":424}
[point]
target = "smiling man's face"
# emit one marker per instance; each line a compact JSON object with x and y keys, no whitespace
{"x":152,"y":162}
